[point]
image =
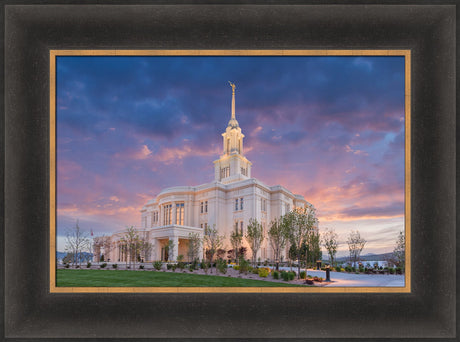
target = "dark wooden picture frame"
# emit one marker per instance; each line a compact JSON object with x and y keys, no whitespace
{"x":32,"y":312}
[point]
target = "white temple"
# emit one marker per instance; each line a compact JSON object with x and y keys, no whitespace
{"x":228,"y":202}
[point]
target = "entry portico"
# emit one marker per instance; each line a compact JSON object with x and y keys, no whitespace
{"x":179,"y":235}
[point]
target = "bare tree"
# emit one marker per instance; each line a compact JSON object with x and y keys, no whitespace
{"x":107,"y":245}
{"x":132,"y":241}
{"x":278,"y":237}
{"x":76,"y":242}
{"x":145,"y":247}
{"x":194,"y":246}
{"x":254,"y":236}
{"x":399,"y":253}
{"x":355,"y":246}
{"x":300,"y":223}
{"x":213,"y":242}
{"x":236,"y":240}
{"x":330,"y":242}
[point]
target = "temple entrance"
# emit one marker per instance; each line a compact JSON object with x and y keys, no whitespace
{"x":164,"y":254}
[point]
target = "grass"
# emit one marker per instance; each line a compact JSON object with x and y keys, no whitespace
{"x":119,"y":278}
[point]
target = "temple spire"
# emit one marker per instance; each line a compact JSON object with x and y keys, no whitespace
{"x":233,"y":122}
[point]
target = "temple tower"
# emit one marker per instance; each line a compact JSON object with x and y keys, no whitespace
{"x":232,"y":165}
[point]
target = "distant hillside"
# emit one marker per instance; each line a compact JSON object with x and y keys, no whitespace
{"x":60,"y":255}
{"x":369,"y":257}
{"x":84,"y":255}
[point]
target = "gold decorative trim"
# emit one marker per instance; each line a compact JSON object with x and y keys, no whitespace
{"x":52,"y":165}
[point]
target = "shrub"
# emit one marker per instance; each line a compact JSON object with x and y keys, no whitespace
{"x":141,"y":267}
{"x":353,"y":269}
{"x":391,"y":270}
{"x":103,"y":265}
{"x":88,"y":265}
{"x":157,"y":265}
{"x":180,"y":262}
{"x":303,"y":275}
{"x":254,"y":270}
{"x":236,"y":268}
{"x":205,"y":266}
{"x":285,"y":275}
{"x":276,"y":275}
{"x":338,"y":269}
{"x":173,"y":267}
{"x":168,"y":266}
{"x":263,"y":272}
{"x":309,"y":282}
{"x":398,"y":270}
{"x":78,"y":266}
{"x":292,"y":275}
{"x":114,"y":265}
{"x":244,"y":266}
{"x":222,"y":266}
{"x":342,"y":269}
{"x":348,"y":269}
{"x":66,"y":265}
{"x":194,"y":265}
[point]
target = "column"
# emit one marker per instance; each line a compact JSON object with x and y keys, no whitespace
{"x":160,"y":215}
{"x":175,"y":249}
{"x":156,"y":250}
{"x":174,"y":213}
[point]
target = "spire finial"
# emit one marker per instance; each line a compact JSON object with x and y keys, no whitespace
{"x":233,"y":98}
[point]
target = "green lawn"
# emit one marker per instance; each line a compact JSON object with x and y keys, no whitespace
{"x":122,"y":278}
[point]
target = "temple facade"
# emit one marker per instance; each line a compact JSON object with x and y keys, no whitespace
{"x":228,"y":202}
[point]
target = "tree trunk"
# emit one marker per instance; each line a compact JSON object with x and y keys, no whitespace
{"x":298,"y":266}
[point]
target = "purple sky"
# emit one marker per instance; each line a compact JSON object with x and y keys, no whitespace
{"x":328,"y":128}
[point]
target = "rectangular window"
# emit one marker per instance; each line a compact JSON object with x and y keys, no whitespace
{"x":236,"y":226}
{"x":263,"y":204}
{"x":180,"y":214}
{"x":202,"y":226}
{"x":241,"y":225}
{"x":241,"y":203}
{"x":236,"y":204}
{"x":167,"y":214}
{"x":201,"y":206}
{"x":206,"y":206}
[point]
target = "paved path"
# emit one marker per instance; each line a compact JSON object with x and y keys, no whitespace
{"x":339,"y":279}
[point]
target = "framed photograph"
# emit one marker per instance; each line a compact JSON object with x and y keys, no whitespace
{"x":226,"y":104}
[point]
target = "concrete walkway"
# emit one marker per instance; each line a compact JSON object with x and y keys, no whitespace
{"x":344,"y":279}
